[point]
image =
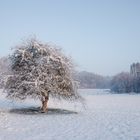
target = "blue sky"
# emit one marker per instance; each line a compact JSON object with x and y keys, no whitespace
{"x":102,"y":36}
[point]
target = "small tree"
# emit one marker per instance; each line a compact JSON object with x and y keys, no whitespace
{"x":39,"y":71}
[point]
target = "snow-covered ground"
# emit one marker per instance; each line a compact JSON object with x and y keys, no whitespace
{"x":105,"y":117}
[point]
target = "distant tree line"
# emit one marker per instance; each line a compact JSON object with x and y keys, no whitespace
{"x":91,"y":80}
{"x":125,"y":83}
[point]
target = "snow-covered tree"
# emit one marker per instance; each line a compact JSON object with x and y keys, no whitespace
{"x":41,"y":71}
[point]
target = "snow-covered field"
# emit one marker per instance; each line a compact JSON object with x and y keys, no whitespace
{"x":105,"y":117}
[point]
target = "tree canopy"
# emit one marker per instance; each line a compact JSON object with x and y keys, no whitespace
{"x":40,"y":70}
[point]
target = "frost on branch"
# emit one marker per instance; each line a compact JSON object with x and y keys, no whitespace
{"x":39,"y":71}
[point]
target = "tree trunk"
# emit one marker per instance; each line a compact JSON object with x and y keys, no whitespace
{"x":45,"y":104}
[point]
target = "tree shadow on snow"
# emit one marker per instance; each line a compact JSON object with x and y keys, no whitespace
{"x":37,"y":111}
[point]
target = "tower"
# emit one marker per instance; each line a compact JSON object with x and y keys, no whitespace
{"x":135,"y":69}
